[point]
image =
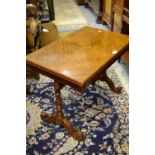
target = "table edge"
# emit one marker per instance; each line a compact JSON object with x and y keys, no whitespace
{"x":77,"y":85}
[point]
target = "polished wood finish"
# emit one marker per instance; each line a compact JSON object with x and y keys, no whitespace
{"x":80,"y":56}
{"x":78,"y":60}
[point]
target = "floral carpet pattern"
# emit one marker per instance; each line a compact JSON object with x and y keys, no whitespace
{"x":99,"y":113}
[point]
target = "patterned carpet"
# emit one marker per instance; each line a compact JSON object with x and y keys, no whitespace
{"x":101,"y":115}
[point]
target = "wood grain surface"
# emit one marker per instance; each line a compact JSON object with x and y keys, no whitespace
{"x":81,"y":57}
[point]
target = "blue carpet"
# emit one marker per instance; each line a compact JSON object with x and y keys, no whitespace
{"x":92,"y":112}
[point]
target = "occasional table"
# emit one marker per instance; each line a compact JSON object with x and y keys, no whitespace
{"x":78,"y":60}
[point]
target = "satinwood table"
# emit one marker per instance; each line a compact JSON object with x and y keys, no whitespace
{"x":78,"y":60}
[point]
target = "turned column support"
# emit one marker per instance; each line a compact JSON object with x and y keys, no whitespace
{"x":58,"y":117}
{"x":59,"y":113}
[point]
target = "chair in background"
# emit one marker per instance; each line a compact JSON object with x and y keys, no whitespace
{"x":40,"y":30}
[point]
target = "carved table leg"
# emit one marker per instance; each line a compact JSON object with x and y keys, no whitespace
{"x":59,"y":118}
{"x":105,"y":78}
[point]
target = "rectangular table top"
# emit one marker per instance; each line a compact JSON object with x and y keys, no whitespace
{"x":79,"y":57}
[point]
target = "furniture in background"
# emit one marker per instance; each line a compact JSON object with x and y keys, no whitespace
{"x":37,"y":13}
{"x":107,"y":11}
{"x":98,"y":50}
{"x":120,"y":21}
{"x":97,"y":7}
{"x":79,"y":2}
{"x":125,"y":20}
{"x":38,"y":33}
{"x":113,"y":21}
{"x":32,"y":33}
{"x":32,"y":25}
{"x":117,"y":15}
{"x":125,"y":30}
{"x":48,"y":33}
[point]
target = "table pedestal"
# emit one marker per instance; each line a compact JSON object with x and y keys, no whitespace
{"x":59,"y":118}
